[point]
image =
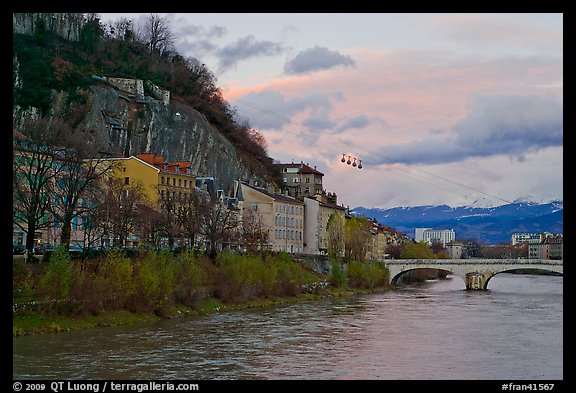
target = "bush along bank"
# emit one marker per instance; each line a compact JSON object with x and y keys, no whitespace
{"x":67,"y":294}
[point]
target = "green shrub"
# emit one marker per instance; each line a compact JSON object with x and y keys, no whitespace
{"x":57,"y":281}
{"x":238,"y":277}
{"x":367,"y":275}
{"x":337,"y":277}
{"x":189,"y":280}
{"x":154,"y":283}
{"x":111,"y":282}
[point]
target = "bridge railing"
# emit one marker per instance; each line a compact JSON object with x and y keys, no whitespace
{"x":472,"y":261}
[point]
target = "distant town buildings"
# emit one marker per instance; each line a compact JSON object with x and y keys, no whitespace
{"x":518,"y":238}
{"x":549,"y":246}
{"x":294,"y":220}
{"x":430,"y":235}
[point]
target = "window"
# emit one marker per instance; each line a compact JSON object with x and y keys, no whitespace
{"x":162,"y":180}
{"x":307,"y":180}
{"x":174,"y":182}
{"x":185,"y":183}
{"x":126,"y":180}
{"x":254,"y":207}
{"x":179,"y":182}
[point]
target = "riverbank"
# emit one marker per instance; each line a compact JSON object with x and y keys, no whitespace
{"x":34,"y":323}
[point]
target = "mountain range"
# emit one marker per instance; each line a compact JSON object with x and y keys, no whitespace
{"x":488,"y":225}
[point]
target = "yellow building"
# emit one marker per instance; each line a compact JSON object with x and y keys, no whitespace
{"x":159,"y":179}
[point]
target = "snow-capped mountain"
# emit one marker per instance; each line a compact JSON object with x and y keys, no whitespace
{"x":490,"y":225}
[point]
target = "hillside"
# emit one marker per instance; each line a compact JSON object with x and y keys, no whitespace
{"x":493,"y":225}
{"x":69,"y":79}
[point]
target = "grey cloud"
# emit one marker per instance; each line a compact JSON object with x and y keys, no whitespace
{"x":354,"y":122}
{"x":271,"y":110}
{"x":182,"y":27}
{"x":316,"y":59}
{"x":197,"y":48}
{"x":319,"y":124}
{"x":496,"y":125}
{"x":217,"y":31}
{"x":245,"y":48}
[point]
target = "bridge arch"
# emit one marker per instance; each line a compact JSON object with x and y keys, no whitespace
{"x":397,"y":277}
{"x":475,"y":272}
{"x":527,"y":271}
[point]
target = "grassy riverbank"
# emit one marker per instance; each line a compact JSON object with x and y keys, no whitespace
{"x":70,"y":295}
{"x":35,"y":323}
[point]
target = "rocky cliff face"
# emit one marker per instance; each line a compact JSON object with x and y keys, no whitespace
{"x":128,"y":125}
{"x":67,"y":25}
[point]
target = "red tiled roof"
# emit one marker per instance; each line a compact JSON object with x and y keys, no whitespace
{"x":159,"y":162}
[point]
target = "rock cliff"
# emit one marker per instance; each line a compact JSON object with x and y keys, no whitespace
{"x":67,"y":25}
{"x":128,"y":125}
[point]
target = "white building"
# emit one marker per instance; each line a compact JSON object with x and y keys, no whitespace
{"x":530,"y":238}
{"x":317,"y":213}
{"x":429,"y":235}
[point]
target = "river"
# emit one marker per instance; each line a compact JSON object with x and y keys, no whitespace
{"x":430,"y":331}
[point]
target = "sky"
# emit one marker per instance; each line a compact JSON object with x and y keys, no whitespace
{"x":455,"y":109}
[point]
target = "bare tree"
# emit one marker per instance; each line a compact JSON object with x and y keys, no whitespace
{"x":149,"y":225}
{"x":81,"y":164}
{"x":189,"y":215}
{"x":120,"y":209}
{"x":156,"y":34}
{"x":254,"y":233}
{"x":35,"y":166}
{"x":218,"y":224}
{"x":167,"y":221}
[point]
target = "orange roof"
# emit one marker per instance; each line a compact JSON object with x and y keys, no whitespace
{"x":151,"y":158}
{"x":159,"y":162}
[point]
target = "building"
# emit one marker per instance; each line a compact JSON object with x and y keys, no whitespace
{"x":281,"y":215}
{"x":550,"y":247}
{"x":454,"y":249}
{"x":379,"y":241}
{"x":317,"y":212}
{"x":162,"y":182}
{"x":301,"y":180}
{"x":530,"y":238}
{"x":160,"y":179}
{"x":430,"y":235}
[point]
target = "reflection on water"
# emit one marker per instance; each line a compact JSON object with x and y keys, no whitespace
{"x":433,"y":330}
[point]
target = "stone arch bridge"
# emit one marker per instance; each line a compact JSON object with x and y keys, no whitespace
{"x":475,"y":272}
